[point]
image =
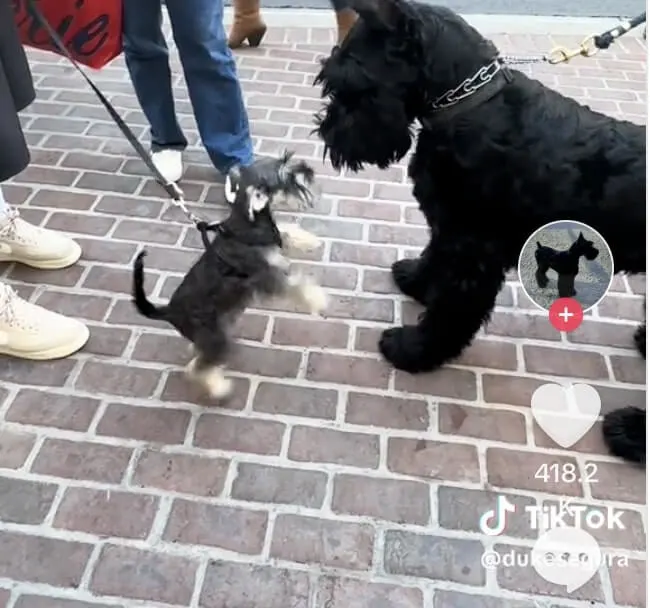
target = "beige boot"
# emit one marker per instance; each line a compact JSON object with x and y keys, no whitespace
{"x":28,"y":331}
{"x":37,"y":247}
{"x":247,"y":24}
{"x":345,"y":19}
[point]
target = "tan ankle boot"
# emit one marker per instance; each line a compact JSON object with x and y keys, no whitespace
{"x":247,"y":24}
{"x":345,"y":19}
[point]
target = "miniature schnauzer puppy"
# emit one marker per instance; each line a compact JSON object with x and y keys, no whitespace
{"x":565,"y":263}
{"x":245,"y":263}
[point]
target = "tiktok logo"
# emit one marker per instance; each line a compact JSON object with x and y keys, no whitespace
{"x":493,"y":522}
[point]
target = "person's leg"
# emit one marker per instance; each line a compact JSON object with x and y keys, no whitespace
{"x":147,"y":59}
{"x":247,"y":24}
{"x":345,"y":19}
{"x":212,"y":82}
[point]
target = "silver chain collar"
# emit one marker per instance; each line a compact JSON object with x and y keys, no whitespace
{"x":469,"y":86}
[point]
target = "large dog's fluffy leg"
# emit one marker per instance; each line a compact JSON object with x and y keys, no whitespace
{"x":624,"y":433}
{"x":412,"y":276}
{"x":459,"y":302}
{"x":566,"y":285}
{"x":540,"y":276}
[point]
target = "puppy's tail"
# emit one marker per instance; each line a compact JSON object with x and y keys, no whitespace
{"x":144,"y":306}
{"x":624,"y":433}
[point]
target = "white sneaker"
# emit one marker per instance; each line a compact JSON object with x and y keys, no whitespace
{"x":169,"y":163}
{"x":22,"y":242}
{"x":28,"y":331}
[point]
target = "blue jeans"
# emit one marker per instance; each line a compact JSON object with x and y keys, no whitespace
{"x":210,"y":73}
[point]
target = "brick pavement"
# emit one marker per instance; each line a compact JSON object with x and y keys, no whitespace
{"x":329,"y":481}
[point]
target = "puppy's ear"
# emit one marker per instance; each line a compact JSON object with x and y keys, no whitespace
{"x":379,"y":14}
{"x":233,"y":180}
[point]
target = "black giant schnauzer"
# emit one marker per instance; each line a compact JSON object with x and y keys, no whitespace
{"x":498,"y":155}
{"x":565,"y":263}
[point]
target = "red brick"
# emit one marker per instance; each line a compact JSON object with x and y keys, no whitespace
{"x":389,"y":412}
{"x":629,"y":582}
{"x":230,"y":528}
{"x":311,"y":444}
{"x":618,"y":481}
{"x":434,"y":557}
{"x":266,"y":484}
{"x":364,"y":309}
{"x":343,"y":369}
{"x":295,"y":400}
{"x":230,"y":433}
{"x":526,"y":470}
{"x":120,"y":380}
{"x":127,"y":572}
{"x":335,"y":592}
{"x":14,"y":448}
{"x":184,"y":473}
{"x":82,"y":460}
{"x":481,"y":422}
{"x":150,"y":424}
{"x":363,"y":255}
{"x":265,"y":361}
{"x":489,"y":353}
{"x":629,"y":369}
{"x":309,"y":333}
{"x":106,"y":513}
{"x":509,"y":390}
{"x":25,"y":502}
{"x":433,"y":460}
{"x":239,"y":585}
{"x":563,"y":362}
{"x":388,"y":212}
{"x":446,"y":382}
{"x":329,"y":543}
{"x":37,"y":601}
{"x":36,"y":565}
{"x":391,"y":500}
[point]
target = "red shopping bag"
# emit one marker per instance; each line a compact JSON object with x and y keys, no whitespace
{"x":91,"y":30}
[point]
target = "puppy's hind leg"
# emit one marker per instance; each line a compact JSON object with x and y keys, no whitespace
{"x":304,"y":291}
{"x":207,"y":368}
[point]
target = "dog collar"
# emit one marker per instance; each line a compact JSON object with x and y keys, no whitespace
{"x":473,"y":91}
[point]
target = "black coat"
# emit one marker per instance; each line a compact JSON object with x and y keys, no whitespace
{"x":16,"y":93}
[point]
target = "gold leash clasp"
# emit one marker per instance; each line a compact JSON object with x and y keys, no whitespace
{"x":562,"y":54}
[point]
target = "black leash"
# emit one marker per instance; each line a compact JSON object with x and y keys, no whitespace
{"x":172,"y":189}
{"x":606,"y":39}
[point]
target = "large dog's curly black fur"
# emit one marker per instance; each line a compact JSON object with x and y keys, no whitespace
{"x":487,"y":171}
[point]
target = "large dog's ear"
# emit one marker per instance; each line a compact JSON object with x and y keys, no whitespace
{"x":379,"y":14}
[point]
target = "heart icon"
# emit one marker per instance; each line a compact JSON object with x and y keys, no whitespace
{"x":565,"y":414}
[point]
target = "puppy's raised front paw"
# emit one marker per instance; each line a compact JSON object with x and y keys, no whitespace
{"x":295,"y":237}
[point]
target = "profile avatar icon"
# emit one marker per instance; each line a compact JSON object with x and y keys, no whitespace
{"x":566,"y":259}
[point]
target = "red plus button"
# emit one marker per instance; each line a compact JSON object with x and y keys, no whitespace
{"x":565,"y":314}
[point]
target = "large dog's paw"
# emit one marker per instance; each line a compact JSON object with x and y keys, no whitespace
{"x":542,"y":280}
{"x":624,"y":433}
{"x":404,"y":348}
{"x":405,"y":276}
{"x":639,"y":339}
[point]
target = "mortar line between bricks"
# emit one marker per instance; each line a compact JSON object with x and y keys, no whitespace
{"x":225,"y":499}
{"x":343,"y":426}
{"x":199,"y":582}
{"x":265,"y":552}
{"x":48,"y":521}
